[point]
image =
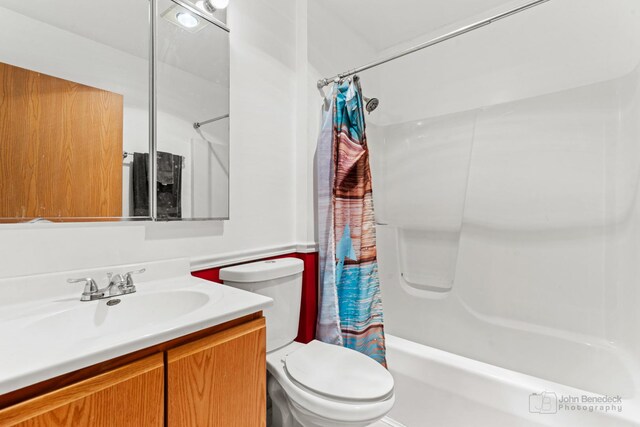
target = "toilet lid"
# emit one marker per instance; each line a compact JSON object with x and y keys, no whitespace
{"x":338,"y":372}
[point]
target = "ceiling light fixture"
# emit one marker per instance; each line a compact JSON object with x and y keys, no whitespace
{"x":218,"y":4}
{"x":212,"y":5}
{"x":205,"y":6}
{"x":187,"y":20}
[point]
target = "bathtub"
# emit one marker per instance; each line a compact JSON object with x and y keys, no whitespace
{"x":438,"y":388}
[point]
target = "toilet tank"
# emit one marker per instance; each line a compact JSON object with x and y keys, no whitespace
{"x":279,"y":279}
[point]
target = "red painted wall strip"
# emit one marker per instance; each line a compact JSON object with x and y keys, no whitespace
{"x":309,"y":303}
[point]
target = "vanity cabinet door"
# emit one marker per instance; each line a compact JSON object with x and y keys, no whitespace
{"x":219,"y":380}
{"x":132,"y":395}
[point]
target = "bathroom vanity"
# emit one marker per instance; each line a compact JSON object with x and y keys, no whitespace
{"x":178,"y":352}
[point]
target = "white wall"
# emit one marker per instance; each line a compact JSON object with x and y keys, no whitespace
{"x":331,"y":47}
{"x":540,"y":51}
{"x":263,"y":154}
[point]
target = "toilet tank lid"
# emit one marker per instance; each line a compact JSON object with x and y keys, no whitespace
{"x":262,"y":270}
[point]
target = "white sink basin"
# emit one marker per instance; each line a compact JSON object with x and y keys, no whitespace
{"x":89,"y":320}
{"x":46,"y":331}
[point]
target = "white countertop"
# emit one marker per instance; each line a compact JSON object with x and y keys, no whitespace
{"x":46,"y":331}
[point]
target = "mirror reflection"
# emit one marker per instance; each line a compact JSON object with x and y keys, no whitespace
{"x":192,"y":112}
{"x":74,"y":108}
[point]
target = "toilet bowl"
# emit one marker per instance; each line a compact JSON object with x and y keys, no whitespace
{"x":315,"y":384}
{"x":326,"y":397}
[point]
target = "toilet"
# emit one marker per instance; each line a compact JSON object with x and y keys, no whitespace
{"x":314,"y":384}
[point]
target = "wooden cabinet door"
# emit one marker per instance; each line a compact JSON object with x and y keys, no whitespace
{"x":219,"y":380}
{"x":132,"y":395}
{"x":60,"y":147}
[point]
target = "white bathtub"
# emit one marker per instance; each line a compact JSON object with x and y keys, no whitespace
{"x":437,"y":388}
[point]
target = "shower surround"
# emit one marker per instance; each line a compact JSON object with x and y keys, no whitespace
{"x":523,"y":251}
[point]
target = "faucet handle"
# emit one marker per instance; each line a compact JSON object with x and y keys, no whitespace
{"x":113,"y":277}
{"x":127,"y":276}
{"x":90,"y":287}
{"x":116,"y":278}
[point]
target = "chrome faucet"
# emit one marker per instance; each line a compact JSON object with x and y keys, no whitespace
{"x":91,"y":290}
{"x":119,"y":284}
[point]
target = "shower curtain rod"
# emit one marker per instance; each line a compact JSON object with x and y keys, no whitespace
{"x":323,"y":82}
{"x":197,"y":125}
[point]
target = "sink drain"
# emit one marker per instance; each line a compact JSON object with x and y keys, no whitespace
{"x":112,"y":302}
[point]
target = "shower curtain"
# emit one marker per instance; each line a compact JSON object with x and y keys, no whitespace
{"x":350,"y":306}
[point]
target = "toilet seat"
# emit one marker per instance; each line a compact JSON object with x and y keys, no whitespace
{"x":339,"y":410}
{"x":338,"y":373}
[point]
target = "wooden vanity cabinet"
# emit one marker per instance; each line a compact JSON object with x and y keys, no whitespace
{"x":219,"y":380}
{"x":214,"y":377}
{"x":132,"y":395}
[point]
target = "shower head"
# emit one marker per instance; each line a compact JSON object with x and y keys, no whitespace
{"x":371,"y":104}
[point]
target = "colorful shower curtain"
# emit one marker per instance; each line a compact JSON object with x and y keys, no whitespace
{"x":350,"y":306}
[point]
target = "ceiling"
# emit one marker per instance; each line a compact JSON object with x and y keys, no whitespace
{"x":124,"y":25}
{"x":204,"y":53}
{"x":94,"y":20}
{"x":386,"y":23}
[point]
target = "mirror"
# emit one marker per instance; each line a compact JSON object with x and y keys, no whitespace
{"x":192,"y":57}
{"x":76,"y":113}
{"x":74,"y":108}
